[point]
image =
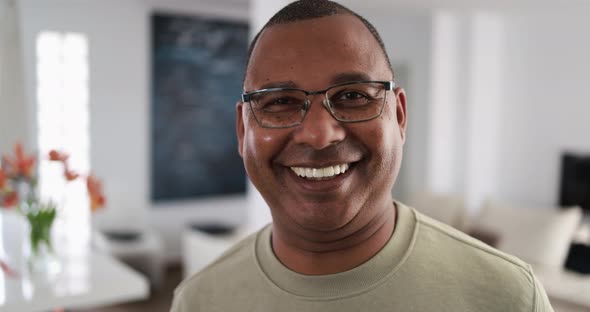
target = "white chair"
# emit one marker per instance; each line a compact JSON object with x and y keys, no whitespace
{"x":141,"y":251}
{"x":200,"y":248}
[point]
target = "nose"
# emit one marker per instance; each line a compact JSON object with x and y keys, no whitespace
{"x":319,"y":129}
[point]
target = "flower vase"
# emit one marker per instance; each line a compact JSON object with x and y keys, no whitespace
{"x":41,"y":257}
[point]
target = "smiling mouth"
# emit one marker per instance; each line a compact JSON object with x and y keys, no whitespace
{"x":320,"y":173}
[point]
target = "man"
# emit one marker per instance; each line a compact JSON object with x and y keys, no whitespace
{"x":321,"y":128}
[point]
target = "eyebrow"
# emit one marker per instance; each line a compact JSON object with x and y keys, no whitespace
{"x":340,"y":78}
{"x":279,"y":84}
{"x":349,"y":77}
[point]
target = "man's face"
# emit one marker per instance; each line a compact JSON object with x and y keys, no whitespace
{"x":313,"y":55}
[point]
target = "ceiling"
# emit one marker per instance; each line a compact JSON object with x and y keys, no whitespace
{"x":435,"y":4}
{"x":465,"y":4}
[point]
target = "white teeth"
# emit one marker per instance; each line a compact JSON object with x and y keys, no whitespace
{"x":328,"y":171}
{"x":316,"y":173}
{"x":300,"y":172}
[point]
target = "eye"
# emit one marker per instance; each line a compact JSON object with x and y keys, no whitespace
{"x":352,"y":95}
{"x":350,"y":99}
{"x":280,"y":103}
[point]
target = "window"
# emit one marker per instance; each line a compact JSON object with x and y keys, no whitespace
{"x":63,"y":124}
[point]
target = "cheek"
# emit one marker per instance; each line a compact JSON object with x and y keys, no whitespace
{"x":392,"y":132}
{"x":387,"y":141}
{"x":261,"y":146}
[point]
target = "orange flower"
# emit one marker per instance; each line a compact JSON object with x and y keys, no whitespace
{"x":7,"y":270}
{"x":2,"y":179}
{"x":63,"y":158}
{"x":70,"y":175}
{"x":10,"y":200}
{"x":21,"y":164}
{"x":97,"y":203}
{"x":58,"y":156}
{"x":97,"y":199}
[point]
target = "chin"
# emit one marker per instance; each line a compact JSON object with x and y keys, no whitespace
{"x":323,"y":217}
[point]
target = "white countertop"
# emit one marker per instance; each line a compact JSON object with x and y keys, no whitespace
{"x":86,"y":280}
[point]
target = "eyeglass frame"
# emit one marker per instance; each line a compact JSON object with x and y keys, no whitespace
{"x":389,"y":85}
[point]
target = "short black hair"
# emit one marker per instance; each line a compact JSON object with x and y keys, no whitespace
{"x":310,"y":9}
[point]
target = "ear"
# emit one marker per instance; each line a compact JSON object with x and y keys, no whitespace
{"x":240,"y":126}
{"x":401,"y":112}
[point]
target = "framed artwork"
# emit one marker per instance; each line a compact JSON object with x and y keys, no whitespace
{"x":197,"y":71}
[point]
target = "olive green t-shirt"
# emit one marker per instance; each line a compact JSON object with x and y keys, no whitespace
{"x":425,"y":266}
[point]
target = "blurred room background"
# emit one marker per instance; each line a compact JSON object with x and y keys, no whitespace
{"x":498,"y":96}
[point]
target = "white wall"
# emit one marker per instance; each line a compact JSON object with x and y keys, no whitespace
{"x":514,"y":97}
{"x":466,"y":78}
{"x":546,"y":109}
{"x":449,"y":58}
{"x":482,"y":119}
{"x":13,"y":113}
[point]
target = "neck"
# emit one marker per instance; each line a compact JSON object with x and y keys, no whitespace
{"x":335,"y":255}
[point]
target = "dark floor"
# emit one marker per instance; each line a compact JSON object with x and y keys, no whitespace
{"x":159,"y":301}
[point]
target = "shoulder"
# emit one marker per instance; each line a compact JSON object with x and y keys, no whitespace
{"x":473,"y":268}
{"x":451,"y":238}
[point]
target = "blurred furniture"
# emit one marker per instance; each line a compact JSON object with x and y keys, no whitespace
{"x":579,"y":257}
{"x":141,"y":250}
{"x":575,"y":180}
{"x":87,"y":278}
{"x":448,"y":209}
{"x":203,"y":243}
{"x":539,"y":236}
{"x":86,"y":281}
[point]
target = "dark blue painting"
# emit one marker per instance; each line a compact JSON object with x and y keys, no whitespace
{"x":197,"y":69}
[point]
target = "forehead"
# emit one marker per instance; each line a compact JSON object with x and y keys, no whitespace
{"x":311,"y":53}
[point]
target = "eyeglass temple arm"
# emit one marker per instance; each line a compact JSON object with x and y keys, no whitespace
{"x":389,"y":85}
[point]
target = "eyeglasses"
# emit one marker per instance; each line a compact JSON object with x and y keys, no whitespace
{"x":347,"y":102}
